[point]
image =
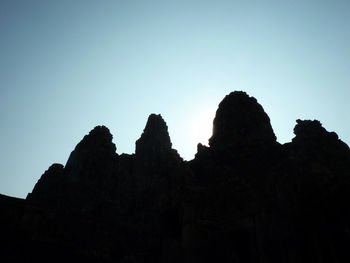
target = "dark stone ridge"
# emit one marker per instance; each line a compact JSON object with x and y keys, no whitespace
{"x":241,"y":120}
{"x":47,"y":189}
{"x":98,"y":138}
{"x":88,"y":177}
{"x":95,"y":150}
{"x":245,"y":198}
{"x":155,"y":137}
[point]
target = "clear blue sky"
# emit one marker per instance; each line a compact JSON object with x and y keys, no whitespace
{"x":67,"y":66}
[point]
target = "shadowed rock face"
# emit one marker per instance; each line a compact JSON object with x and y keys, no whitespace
{"x":155,"y":137}
{"x":241,"y":120}
{"x":245,"y":198}
{"x":99,"y":138}
{"x":48,"y":189}
{"x":88,"y":177}
{"x":96,"y":150}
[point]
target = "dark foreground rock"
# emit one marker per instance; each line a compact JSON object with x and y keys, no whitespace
{"x":243,"y":198}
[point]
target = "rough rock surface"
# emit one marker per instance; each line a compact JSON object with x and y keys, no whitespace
{"x":239,"y":121}
{"x":243,"y":198}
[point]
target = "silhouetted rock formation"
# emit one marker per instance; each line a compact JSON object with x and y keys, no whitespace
{"x":155,"y":138}
{"x":243,"y":198}
{"x":88,"y":178}
{"x":240,"y":121}
{"x":48,"y":189}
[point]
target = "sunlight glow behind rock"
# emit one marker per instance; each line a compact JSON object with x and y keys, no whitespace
{"x":201,"y":126}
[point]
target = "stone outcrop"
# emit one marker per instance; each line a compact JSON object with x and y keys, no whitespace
{"x":48,"y":189}
{"x":88,"y":178}
{"x":155,"y":138}
{"x":243,"y":198}
{"x":240,"y":121}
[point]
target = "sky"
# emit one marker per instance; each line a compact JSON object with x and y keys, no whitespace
{"x":67,"y":66}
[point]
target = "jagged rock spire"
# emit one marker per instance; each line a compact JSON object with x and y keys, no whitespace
{"x":311,"y":135}
{"x":48,"y":186}
{"x":99,"y":137}
{"x":241,"y":120}
{"x":245,"y":198}
{"x":307,"y":129}
{"x":95,"y":150}
{"x":155,"y":137}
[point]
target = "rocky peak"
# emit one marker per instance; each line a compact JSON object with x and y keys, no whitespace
{"x":95,"y":151}
{"x":155,"y":137}
{"x":46,"y":189}
{"x":239,"y":200}
{"x":313,"y":138}
{"x":241,"y":120}
{"x":310,"y":129}
{"x":99,"y":137}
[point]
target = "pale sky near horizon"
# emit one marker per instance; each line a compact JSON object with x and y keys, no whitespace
{"x":67,"y":66}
